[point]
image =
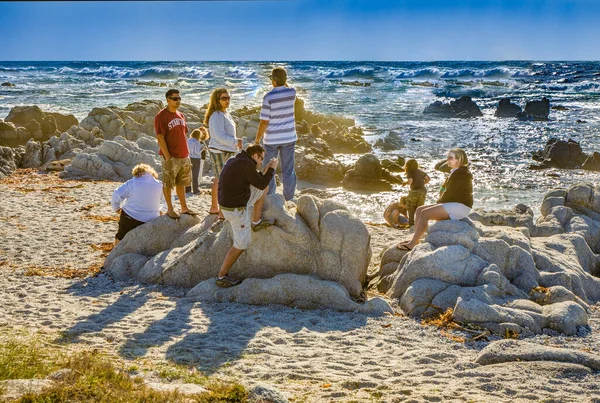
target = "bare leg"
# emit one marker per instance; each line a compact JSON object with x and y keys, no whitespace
{"x":116,"y":242}
{"x":214,"y":205}
{"x":167,"y":194}
{"x":232,"y":255}
{"x":435,"y":212}
{"x":418,"y":212}
{"x":181,"y":195}
{"x":258,"y":207}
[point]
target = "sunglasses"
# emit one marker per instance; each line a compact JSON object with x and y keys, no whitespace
{"x":175,"y":99}
{"x":225,"y":98}
{"x":450,"y":157}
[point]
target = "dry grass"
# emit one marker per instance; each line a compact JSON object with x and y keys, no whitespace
{"x":62,"y":187}
{"x":90,"y":376}
{"x":63,"y":272}
{"x":104,"y":247}
{"x":445,"y":321}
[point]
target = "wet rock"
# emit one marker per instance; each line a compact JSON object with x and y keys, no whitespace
{"x":392,"y":141}
{"x":506,"y":109}
{"x":463,"y":107}
{"x":592,"y":163}
{"x":538,"y":109}
{"x":367,"y":174}
{"x":7,"y":84}
{"x":561,"y":154}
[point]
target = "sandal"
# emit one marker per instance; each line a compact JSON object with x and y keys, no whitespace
{"x":211,"y":213}
{"x":226,"y":282}
{"x":173,"y":215}
{"x":403,"y":247}
{"x":190,"y":212}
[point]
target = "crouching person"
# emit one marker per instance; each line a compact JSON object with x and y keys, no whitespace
{"x":241,"y":188}
{"x":138,"y":200}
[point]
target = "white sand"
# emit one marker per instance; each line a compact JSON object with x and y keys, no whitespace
{"x":310,"y":356}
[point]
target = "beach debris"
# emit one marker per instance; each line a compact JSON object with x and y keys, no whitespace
{"x":67,"y":271}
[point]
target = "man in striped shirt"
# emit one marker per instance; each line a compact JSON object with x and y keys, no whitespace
{"x":278,"y":126}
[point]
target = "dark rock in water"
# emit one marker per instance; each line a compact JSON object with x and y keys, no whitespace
{"x":581,"y":121}
{"x":392,"y":166}
{"x":151,"y":83}
{"x":538,"y":109}
{"x":563,"y":154}
{"x":355,"y":83}
{"x":506,"y":109}
{"x":525,"y":117}
{"x":7,"y":84}
{"x":367,"y":174}
{"x":390,"y":142}
{"x":559,"y":108}
{"x":537,"y":167}
{"x":592,"y":163}
{"x":463,"y":107}
{"x":442,"y":166}
{"x":414,"y":139}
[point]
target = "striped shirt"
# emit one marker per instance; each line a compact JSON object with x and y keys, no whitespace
{"x":278,"y":110}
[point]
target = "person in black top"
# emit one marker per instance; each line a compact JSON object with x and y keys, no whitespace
{"x":242,"y":187}
{"x":417,"y":179}
{"x":455,"y":202}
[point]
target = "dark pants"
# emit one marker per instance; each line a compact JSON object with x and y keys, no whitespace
{"x":126,"y":224}
{"x":414,"y":199}
{"x":195,"y":172}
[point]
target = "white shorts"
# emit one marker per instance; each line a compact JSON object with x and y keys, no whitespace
{"x":240,"y":220}
{"x":456,"y":211}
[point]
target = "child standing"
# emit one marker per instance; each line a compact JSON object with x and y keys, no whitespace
{"x":416,"y":179}
{"x":198,"y":151}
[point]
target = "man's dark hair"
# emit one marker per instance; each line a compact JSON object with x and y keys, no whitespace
{"x":279,"y":75}
{"x":254,"y":149}
{"x":171,"y":92}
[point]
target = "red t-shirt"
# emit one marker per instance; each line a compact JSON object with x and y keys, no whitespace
{"x":173,"y":127}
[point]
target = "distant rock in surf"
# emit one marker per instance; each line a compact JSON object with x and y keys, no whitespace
{"x":506,"y":109}
{"x":463,"y":107}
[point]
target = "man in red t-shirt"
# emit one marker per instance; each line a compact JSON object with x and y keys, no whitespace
{"x":170,"y":128}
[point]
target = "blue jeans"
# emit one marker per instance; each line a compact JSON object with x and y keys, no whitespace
{"x":286,"y":159}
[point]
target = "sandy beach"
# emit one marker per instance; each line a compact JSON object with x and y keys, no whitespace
{"x":53,"y":229}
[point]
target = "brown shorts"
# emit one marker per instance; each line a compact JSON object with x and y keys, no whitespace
{"x":176,"y":172}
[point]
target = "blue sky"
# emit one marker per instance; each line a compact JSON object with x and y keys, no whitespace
{"x":302,"y":30}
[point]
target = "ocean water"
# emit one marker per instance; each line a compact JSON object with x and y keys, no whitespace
{"x":500,"y":149}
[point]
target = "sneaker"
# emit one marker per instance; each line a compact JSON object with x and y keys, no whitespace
{"x":262,"y":224}
{"x":225,"y":282}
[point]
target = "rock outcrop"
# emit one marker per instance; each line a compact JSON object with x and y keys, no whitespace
{"x":367,"y":174}
{"x":539,"y":110}
{"x":37,"y":125}
{"x":506,"y":274}
{"x":506,"y":109}
{"x":7,"y":161}
{"x":318,"y":244}
{"x":463,"y":107}
{"x":562,"y":154}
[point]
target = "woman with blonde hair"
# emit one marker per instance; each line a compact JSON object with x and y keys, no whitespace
{"x":138,"y":200}
{"x":455,"y":202}
{"x":223,"y":141}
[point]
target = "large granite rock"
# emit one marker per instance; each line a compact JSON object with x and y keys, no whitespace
{"x":463,"y":107}
{"x":34,"y":123}
{"x":392,"y":141}
{"x":506,"y":109}
{"x":111,"y":160}
{"x":12,"y":135}
{"x":367,"y":174}
{"x":499,"y":276}
{"x":319,"y":238}
{"x":561,"y":154}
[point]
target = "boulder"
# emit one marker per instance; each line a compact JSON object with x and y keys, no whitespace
{"x":561,"y":154}
{"x":64,"y":122}
{"x":12,"y":135}
{"x":463,"y":107}
{"x":319,"y":238}
{"x":7,"y":84}
{"x":367,"y":174}
{"x":392,"y":141}
{"x":592,"y":163}
{"x":506,"y":109}
{"x":538,"y":109}
{"x":499,"y":277}
{"x":7,"y":161}
{"x":41,"y":125}
{"x":33,"y":155}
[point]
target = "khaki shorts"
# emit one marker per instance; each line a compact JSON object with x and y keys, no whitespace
{"x":219,"y":160}
{"x":176,"y":172}
{"x":240,"y":220}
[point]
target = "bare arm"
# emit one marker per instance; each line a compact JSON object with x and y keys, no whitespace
{"x":162,"y":144}
{"x":407,"y":182}
{"x":262,"y":128}
{"x":426,"y":180}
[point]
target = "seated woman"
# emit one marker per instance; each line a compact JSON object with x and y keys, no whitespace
{"x":395,"y":214}
{"x":138,"y":200}
{"x":455,"y":202}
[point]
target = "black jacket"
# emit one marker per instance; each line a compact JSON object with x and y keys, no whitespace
{"x":236,"y":177}
{"x":459,"y":188}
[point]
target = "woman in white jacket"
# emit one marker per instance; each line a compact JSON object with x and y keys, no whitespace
{"x":223,"y":141}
